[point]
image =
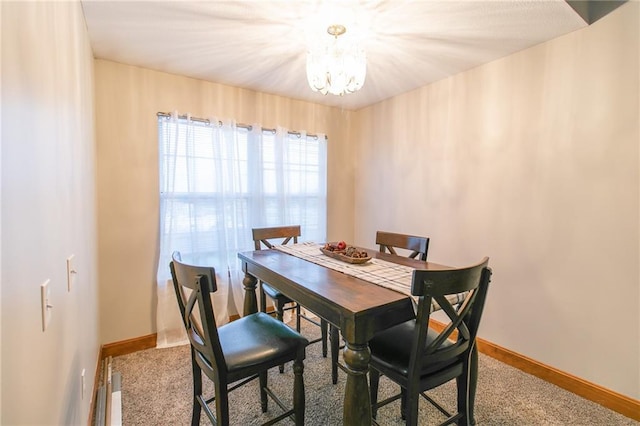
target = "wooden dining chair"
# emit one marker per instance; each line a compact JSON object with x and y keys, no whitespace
{"x":236,"y":353}
{"x":419,"y":358}
{"x":283,"y":235}
{"x":389,"y":241}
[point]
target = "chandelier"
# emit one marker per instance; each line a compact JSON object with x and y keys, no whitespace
{"x":336,"y":65}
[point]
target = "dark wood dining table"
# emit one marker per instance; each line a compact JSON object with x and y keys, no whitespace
{"x":359,"y":308}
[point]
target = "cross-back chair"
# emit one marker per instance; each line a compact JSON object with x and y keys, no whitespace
{"x":419,"y":358}
{"x":283,"y":235}
{"x":236,"y":353}
{"x":389,"y":241}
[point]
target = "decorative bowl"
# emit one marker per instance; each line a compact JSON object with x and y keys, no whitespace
{"x":340,"y":255}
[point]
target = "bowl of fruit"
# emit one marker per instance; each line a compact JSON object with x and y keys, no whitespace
{"x":346,"y":253}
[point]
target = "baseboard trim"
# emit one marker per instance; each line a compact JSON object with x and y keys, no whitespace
{"x":128,"y":346}
{"x":617,"y":402}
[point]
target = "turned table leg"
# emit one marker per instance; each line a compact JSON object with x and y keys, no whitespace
{"x":357,"y":403}
{"x":250,"y":302}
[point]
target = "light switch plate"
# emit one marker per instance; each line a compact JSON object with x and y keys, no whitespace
{"x":45,"y":299}
{"x":71,"y":272}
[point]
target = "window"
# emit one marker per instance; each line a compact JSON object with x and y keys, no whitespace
{"x":219,"y":181}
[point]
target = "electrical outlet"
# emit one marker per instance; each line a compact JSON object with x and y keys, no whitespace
{"x":71,"y":271}
{"x":45,"y":300}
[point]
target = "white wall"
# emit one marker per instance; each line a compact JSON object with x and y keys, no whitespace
{"x":48,"y":213}
{"x":532,"y":160}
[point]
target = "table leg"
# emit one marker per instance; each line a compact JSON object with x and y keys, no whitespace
{"x":357,"y":403}
{"x":250,"y":301}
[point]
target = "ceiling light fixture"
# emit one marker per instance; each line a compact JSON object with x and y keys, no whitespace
{"x":336,"y":65}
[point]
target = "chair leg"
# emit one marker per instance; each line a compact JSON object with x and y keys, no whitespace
{"x":197,"y":390}
{"x":403,"y":403}
{"x":335,"y":352}
{"x":323,"y":331}
{"x":222,"y":403}
{"x":279,"y":311}
{"x":473,"y":384}
{"x":465,"y":384}
{"x":463,"y":388}
{"x":264,"y":401}
{"x":280,"y":317}
{"x":374,"y":380}
{"x":297,"y":317}
{"x":411,"y":407}
{"x":298,"y":391}
{"x":263,"y":299}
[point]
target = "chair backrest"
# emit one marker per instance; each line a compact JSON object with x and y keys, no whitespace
{"x":261,"y":236}
{"x":390,"y":241}
{"x":193,"y":286}
{"x":461,"y":294}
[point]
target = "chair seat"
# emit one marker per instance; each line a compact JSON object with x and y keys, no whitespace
{"x":275,"y":294}
{"x":258,"y":341}
{"x":391,"y":349}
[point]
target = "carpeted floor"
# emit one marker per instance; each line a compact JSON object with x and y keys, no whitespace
{"x":156,"y":390}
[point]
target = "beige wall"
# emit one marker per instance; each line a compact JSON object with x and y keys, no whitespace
{"x":127,"y":100}
{"x":48,"y":213}
{"x":532,"y":160}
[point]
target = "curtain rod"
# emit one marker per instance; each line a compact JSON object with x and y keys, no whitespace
{"x":244,"y":126}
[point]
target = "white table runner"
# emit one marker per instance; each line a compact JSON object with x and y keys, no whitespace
{"x":386,"y":274}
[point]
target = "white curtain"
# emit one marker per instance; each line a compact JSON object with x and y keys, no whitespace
{"x":216,"y":183}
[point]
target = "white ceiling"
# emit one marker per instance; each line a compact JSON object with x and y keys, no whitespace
{"x":261,"y":45}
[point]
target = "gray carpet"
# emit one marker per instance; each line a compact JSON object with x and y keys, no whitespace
{"x":156,"y":390}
